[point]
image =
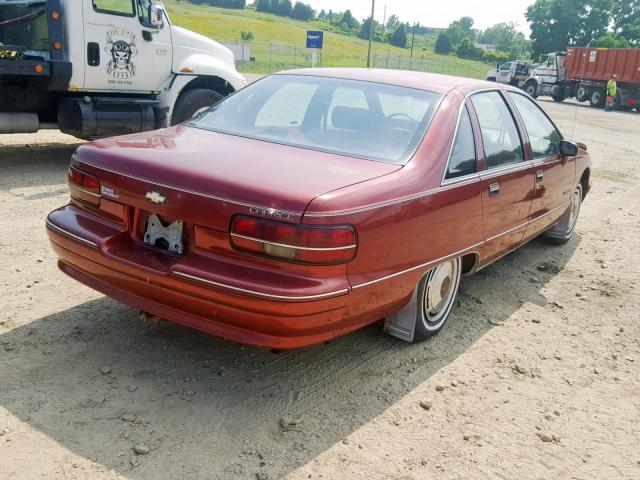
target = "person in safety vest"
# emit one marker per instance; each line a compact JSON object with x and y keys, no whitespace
{"x":612,"y":90}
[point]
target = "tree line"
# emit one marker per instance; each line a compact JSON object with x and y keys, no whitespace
{"x":557,"y":24}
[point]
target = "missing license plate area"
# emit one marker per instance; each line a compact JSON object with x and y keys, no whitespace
{"x":168,"y":237}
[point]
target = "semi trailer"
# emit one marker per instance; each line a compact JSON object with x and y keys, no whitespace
{"x":582,"y":73}
{"x":96,"y":68}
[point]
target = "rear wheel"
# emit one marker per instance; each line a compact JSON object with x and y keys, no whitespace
{"x":437,"y":292}
{"x":559,"y":98}
{"x":193,"y":102}
{"x":597,"y":98}
{"x":563,"y":231}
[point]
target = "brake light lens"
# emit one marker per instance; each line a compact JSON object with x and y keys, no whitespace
{"x":319,"y":245}
{"x":83,"y":186}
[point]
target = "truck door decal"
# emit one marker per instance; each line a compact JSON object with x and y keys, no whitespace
{"x":121,"y":47}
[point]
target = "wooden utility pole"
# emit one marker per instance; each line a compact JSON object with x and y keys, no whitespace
{"x":373,"y":7}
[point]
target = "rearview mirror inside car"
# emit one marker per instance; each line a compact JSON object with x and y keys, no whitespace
{"x":568,"y":149}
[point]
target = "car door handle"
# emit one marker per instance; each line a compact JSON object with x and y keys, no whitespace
{"x":539,"y":176}
{"x":494,"y":189}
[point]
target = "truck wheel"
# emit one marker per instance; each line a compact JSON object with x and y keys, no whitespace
{"x":491,"y":79}
{"x":597,"y":98}
{"x":192,"y":102}
{"x":558,"y":98}
{"x":531,"y":89}
{"x":582,"y":95}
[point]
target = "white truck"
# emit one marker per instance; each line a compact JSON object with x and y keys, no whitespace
{"x":96,"y":68}
{"x":510,"y":73}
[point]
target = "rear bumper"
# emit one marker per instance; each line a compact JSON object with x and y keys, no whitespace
{"x":280,"y":312}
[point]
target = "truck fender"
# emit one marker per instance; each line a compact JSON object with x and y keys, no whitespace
{"x":199,"y":71}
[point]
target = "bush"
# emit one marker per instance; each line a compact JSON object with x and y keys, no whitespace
{"x":443,"y":44}
{"x":246,"y":36}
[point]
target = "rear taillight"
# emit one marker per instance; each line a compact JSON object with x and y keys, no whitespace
{"x":297,"y":243}
{"x":83,"y":186}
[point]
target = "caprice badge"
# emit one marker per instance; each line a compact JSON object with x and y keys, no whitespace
{"x":155,"y":197}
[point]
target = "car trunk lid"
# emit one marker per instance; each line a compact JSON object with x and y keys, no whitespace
{"x":204,"y":177}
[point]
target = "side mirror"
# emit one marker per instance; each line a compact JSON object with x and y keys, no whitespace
{"x":568,"y":149}
{"x":156,"y":14}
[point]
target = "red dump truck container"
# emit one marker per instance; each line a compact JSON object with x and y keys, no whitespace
{"x":598,"y":64}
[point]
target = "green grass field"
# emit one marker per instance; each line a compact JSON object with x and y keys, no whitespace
{"x":279,"y":42}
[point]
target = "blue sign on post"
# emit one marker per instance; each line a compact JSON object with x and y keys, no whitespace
{"x":314,"y":39}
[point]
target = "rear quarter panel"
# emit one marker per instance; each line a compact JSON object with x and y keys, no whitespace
{"x":405,"y":219}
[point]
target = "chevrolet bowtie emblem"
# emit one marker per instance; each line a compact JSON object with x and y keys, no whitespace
{"x":155,"y":197}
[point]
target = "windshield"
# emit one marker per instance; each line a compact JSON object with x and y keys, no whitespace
{"x":348,"y":117}
{"x":23,"y":26}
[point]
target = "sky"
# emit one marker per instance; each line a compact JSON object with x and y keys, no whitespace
{"x":436,"y":14}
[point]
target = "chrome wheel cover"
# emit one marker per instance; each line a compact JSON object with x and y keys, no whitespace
{"x":439,"y":293}
{"x":574,"y":209}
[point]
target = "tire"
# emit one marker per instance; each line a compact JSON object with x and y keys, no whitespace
{"x":491,"y":79}
{"x":193,"y":102}
{"x":582,"y":95}
{"x":531,"y":89}
{"x":559,"y":98}
{"x":597,"y":98}
{"x":437,"y":292}
{"x":562,"y":231}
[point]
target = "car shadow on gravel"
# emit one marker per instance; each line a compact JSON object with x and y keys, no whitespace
{"x":42,"y":164}
{"x":97,"y":379}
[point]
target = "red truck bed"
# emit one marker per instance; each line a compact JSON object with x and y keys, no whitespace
{"x":599,"y":63}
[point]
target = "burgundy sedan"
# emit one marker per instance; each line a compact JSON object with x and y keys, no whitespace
{"x":315,"y":202}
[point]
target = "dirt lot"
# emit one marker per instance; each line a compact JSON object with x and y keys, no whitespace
{"x":536,"y":375}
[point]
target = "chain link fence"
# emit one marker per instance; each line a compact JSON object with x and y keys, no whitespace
{"x":268,"y":57}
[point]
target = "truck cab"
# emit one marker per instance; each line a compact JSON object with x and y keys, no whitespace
{"x":96,"y":68}
{"x":550,"y":77}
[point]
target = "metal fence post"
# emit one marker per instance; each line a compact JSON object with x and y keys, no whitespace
{"x":294,"y":56}
{"x":270,"y":47}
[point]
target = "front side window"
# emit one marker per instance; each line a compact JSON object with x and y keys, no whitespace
{"x":114,"y":7}
{"x":463,"y":152}
{"x":500,"y":138}
{"x":506,"y":66}
{"x":348,"y":117}
{"x":543,"y":136}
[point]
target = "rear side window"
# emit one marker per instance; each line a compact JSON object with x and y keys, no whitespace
{"x":543,"y":136}
{"x":500,"y":138}
{"x":463,"y":152}
{"x":114,"y":7}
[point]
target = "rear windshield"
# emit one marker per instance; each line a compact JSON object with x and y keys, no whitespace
{"x":348,"y":117}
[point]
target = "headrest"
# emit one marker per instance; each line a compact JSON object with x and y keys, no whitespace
{"x":351,"y":118}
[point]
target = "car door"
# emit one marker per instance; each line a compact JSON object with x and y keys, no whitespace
{"x":123,"y":51}
{"x":507,"y":182}
{"x":554,"y":174}
{"x":504,"y":73}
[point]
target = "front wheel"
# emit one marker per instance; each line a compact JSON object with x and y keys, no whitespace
{"x":193,"y":102}
{"x":562,"y":231}
{"x":437,"y":292}
{"x":531,"y":89}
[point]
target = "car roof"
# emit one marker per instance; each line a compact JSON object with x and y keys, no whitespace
{"x":434,"y":82}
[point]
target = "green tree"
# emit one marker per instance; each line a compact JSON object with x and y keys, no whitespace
{"x":348,"y":21}
{"x":610,"y":40}
{"x":364,"y":30}
{"x":399,"y":37}
{"x":443,"y":44}
{"x":467,"y":49}
{"x":557,"y":24}
{"x":303,"y":11}
{"x":626,"y":20}
{"x":393,"y":22}
{"x":466,"y":23}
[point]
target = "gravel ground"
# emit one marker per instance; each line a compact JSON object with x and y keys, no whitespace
{"x":535,"y":376}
